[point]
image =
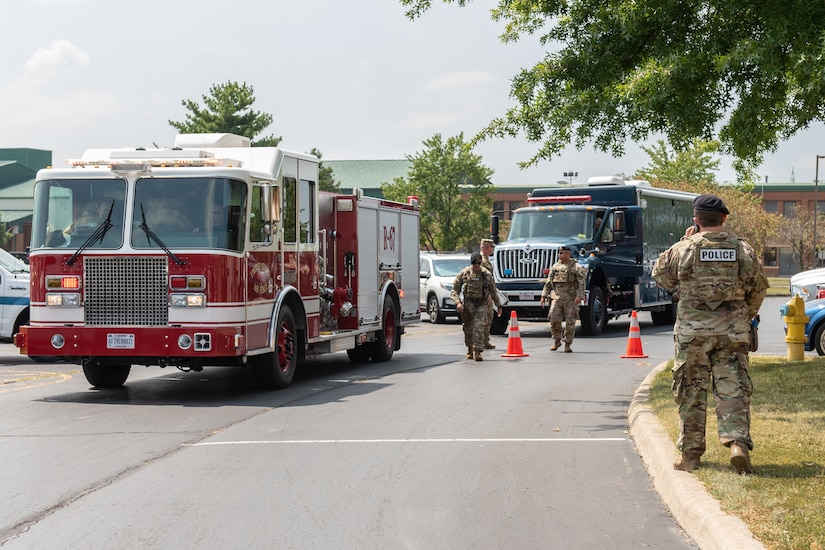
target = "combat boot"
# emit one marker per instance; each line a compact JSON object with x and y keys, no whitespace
{"x":489,"y":345}
{"x":469,"y":353}
{"x":740,"y":458}
{"x":478,"y":356}
{"x":688,"y":462}
{"x":567,"y":348}
{"x":556,"y":345}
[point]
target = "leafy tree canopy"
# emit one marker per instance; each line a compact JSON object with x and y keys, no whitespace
{"x":619,"y":70}
{"x":326,"y":177}
{"x":453,"y":189}
{"x":797,"y":232}
{"x":228,"y":108}
{"x":693,"y":164}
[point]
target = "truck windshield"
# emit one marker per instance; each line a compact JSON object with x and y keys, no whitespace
{"x":67,"y":212}
{"x":189,"y":212}
{"x":553,"y":224}
{"x":12,"y":264}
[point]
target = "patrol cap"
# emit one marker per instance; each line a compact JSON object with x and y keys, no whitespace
{"x":711,"y":203}
{"x":475,"y":258}
{"x":487,"y":241}
{"x":565,"y":247}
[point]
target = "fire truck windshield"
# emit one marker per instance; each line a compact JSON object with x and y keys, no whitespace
{"x":552,"y":224}
{"x":189,"y":212}
{"x":67,"y":213}
{"x":182,"y":212}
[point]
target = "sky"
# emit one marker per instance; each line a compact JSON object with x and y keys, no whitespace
{"x":355,"y":79}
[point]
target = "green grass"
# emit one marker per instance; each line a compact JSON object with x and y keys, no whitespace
{"x":783,"y":503}
{"x":780,"y":286}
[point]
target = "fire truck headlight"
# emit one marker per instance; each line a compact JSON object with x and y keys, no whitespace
{"x":187,"y":300}
{"x":58,"y":341}
{"x":59,"y":299}
{"x":184,"y":341}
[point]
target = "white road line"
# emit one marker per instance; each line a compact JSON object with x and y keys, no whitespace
{"x":455,"y":440}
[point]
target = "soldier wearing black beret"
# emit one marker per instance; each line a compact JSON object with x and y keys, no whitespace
{"x":721,"y":286}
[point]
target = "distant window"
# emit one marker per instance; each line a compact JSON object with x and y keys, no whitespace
{"x":498,"y":209}
{"x":788,"y":209}
{"x":771,"y":206}
{"x":770,"y":256}
{"x":514,"y":205}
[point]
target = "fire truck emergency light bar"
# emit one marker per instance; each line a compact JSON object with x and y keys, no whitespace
{"x":143,"y":165}
{"x":569,"y":198}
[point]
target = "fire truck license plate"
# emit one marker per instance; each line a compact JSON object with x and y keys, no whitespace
{"x":120,"y":341}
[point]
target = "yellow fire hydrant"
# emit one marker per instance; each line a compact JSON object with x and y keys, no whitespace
{"x":794,"y":315}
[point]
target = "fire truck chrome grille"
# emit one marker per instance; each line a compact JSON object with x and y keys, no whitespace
{"x":524,"y":264}
{"x":125,"y":291}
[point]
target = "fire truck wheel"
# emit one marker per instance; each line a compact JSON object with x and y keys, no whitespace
{"x":384,"y":345}
{"x":106,"y":376}
{"x":276,"y":370}
{"x":360,"y":354}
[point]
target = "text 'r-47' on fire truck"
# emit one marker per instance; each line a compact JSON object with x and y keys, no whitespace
{"x":214,"y":253}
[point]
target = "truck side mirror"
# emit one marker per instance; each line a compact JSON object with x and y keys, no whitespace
{"x":618,"y":226}
{"x":494,"y":229}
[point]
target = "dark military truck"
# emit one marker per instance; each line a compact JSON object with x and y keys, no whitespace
{"x":616,"y":230}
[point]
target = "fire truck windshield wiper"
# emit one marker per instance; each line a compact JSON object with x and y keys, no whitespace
{"x":98,"y":233}
{"x":150,"y":235}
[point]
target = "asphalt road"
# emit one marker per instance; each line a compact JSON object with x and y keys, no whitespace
{"x":427,"y":451}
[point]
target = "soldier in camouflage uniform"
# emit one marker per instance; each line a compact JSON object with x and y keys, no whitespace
{"x":487,"y":246}
{"x":565,"y":287}
{"x":476,"y":284}
{"x":721,"y":286}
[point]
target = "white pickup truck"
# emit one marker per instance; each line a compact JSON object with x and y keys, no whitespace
{"x":14,"y":294}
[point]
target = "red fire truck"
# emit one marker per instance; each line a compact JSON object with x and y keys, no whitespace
{"x":213,"y":253}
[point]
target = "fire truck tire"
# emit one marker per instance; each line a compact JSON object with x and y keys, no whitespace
{"x":360,"y":354}
{"x":594,"y":315}
{"x":276,"y":370}
{"x":106,"y":376}
{"x":382,"y":349}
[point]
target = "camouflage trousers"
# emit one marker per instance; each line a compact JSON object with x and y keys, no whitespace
{"x":491,"y":311}
{"x":563,"y":310}
{"x":723,"y":360}
{"x":474,"y":318}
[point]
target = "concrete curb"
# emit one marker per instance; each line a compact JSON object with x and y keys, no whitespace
{"x":699,"y":514}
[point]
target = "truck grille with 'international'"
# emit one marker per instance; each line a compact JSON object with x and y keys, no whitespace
{"x":121,"y":291}
{"x":529,"y":263}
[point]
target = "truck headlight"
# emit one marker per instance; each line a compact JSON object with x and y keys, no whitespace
{"x":187,"y":300}
{"x":63,"y":299}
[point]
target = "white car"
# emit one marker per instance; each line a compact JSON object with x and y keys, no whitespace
{"x":810,"y":285}
{"x":437,"y":274}
{"x":14,"y":294}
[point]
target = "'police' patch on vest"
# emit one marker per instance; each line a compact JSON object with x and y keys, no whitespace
{"x":717,"y":255}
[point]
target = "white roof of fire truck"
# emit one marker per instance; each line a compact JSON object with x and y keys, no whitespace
{"x":190,"y":151}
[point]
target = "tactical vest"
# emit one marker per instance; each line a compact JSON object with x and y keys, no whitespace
{"x":714,"y":274}
{"x":562,"y":273}
{"x":474,"y":287}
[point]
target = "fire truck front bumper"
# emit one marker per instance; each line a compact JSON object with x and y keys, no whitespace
{"x":170,"y":345}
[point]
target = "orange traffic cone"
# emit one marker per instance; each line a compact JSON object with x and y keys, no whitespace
{"x":514,"y":340}
{"x":634,"y":339}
